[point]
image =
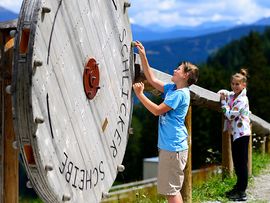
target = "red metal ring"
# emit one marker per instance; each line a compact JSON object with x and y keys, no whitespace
{"x":91,"y":78}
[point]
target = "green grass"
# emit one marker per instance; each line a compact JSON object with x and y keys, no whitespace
{"x":259,"y":162}
{"x":29,"y":200}
{"x":212,"y":190}
{"x":215,"y":187}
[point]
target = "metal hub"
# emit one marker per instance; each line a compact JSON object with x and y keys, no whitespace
{"x":91,"y":78}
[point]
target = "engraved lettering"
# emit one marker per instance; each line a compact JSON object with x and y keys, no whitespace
{"x":114,"y":149}
{"x":101,"y":171}
{"x":118,"y":136}
{"x":125,"y":93}
{"x":75,"y":177}
{"x":89,"y":180}
{"x":82,"y":179}
{"x":64,"y":164}
{"x":122,"y":123}
{"x":95,"y":170}
{"x":123,"y":105}
{"x":124,"y":33}
{"x":69,"y":171}
{"x":123,"y":79}
{"x":125,"y":62}
{"x":124,"y":47}
{"x":114,"y":4}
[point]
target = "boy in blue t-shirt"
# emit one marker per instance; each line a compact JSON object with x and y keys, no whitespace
{"x":172,"y":132}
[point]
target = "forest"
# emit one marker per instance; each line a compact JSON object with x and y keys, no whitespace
{"x":251,"y":52}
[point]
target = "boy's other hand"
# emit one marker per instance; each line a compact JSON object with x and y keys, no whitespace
{"x":138,"y":88}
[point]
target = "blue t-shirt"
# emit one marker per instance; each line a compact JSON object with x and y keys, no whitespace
{"x":172,"y":132}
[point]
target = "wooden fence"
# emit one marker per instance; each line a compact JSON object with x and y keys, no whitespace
{"x":208,"y":99}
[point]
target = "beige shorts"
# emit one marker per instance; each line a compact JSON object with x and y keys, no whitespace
{"x":171,"y":171}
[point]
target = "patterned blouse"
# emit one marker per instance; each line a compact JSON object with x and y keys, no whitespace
{"x":236,"y":111}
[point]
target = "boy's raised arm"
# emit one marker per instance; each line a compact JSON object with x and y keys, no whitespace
{"x":156,"y":83}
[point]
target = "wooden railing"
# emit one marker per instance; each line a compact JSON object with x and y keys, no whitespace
{"x":124,"y":191}
{"x":147,"y":188}
{"x":208,"y":99}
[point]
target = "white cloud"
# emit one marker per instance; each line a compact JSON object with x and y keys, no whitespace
{"x":166,"y":5}
{"x":12,"y":5}
{"x":168,"y":13}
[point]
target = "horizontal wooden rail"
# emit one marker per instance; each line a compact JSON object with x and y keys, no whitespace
{"x":133,"y":184}
{"x":200,"y":97}
{"x":122,"y":191}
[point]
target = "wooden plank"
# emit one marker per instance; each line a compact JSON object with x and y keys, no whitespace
{"x":187,"y":186}
{"x":267,"y":145}
{"x":259,"y":126}
{"x":9,"y":157}
{"x":2,"y":130}
{"x":201,"y":97}
{"x":227,"y":161}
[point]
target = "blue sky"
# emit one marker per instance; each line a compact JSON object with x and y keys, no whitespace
{"x":170,"y":13}
{"x":12,"y":5}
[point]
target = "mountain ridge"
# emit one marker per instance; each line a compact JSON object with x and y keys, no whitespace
{"x":146,"y":34}
{"x":165,"y":55}
{"x":6,"y":15}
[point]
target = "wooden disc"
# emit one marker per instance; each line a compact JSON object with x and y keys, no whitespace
{"x":72,"y":143}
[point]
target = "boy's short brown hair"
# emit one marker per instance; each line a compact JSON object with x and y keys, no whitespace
{"x":193,"y":72}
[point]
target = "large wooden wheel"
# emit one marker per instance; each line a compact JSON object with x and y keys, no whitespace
{"x":71,"y":91}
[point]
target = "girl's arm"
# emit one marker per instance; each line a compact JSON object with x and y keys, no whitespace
{"x":152,"y":107}
{"x":224,"y":94}
{"x":157,"y":84}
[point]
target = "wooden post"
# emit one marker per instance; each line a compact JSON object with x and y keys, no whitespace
{"x":262,"y":144}
{"x":187,"y":186}
{"x":10,"y":164}
{"x":227,"y":162}
{"x":267,"y":144}
{"x":1,"y":140}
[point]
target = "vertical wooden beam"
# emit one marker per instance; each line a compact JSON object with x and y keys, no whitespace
{"x":261,"y":144}
{"x":187,"y":186}
{"x":11,"y":155}
{"x":267,"y":144}
{"x":1,"y":139}
{"x":227,"y":162}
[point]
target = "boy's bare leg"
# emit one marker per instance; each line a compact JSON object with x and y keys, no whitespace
{"x":175,"y":198}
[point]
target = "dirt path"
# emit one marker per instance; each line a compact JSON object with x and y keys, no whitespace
{"x":259,"y":190}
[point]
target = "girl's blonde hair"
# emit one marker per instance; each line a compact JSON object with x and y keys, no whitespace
{"x":241,"y":76}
